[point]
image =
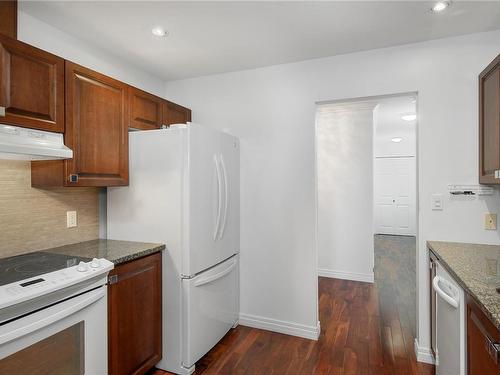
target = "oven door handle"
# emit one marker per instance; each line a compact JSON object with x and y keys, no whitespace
{"x":92,"y":297}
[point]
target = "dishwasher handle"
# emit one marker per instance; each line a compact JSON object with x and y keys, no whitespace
{"x":443,"y":294}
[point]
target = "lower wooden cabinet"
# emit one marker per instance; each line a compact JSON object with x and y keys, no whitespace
{"x":135,"y":316}
{"x":483,"y":343}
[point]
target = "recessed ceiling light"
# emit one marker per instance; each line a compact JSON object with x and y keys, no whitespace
{"x":440,"y":6}
{"x":159,"y":31}
{"x":409,"y":117}
{"x":397,"y":139}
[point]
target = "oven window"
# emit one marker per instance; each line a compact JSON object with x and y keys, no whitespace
{"x":59,"y":354}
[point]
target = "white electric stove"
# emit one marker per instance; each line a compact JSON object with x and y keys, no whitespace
{"x":53,"y":314}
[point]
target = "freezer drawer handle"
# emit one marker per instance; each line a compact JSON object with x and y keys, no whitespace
{"x":492,"y":347}
{"x":445,"y":296}
{"x":217,"y":276}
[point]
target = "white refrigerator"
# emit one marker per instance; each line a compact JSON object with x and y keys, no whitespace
{"x":184,"y":192}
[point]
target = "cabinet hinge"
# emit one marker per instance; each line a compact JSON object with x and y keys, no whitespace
{"x":112,"y":279}
{"x":2,"y":111}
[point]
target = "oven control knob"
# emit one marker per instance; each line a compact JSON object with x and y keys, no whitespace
{"x":82,"y":267}
{"x":96,"y":263}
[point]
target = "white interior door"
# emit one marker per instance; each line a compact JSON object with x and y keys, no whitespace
{"x":395,"y":196}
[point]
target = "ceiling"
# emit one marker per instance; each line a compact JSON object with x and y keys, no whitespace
{"x":216,"y":37}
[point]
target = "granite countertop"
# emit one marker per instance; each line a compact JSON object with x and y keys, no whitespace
{"x":477,"y":269}
{"x":115,"y":251}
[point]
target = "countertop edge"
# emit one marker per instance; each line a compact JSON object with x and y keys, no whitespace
{"x":464,"y":285}
{"x":138,"y":255}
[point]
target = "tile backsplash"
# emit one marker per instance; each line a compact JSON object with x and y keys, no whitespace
{"x":35,"y":219}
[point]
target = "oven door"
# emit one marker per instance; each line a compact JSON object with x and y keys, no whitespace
{"x":67,"y":338}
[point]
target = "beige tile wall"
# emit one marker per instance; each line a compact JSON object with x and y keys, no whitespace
{"x":34,"y":219}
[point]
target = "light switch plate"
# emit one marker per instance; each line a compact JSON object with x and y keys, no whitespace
{"x":70,"y":219}
{"x":490,"y":221}
{"x":437,"y":202}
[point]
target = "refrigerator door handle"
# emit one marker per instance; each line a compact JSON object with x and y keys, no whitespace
{"x":219,"y":198}
{"x":215,"y":277}
{"x":226,"y":202}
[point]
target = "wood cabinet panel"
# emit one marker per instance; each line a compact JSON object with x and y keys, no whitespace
{"x":135,"y":316}
{"x":145,"y":110}
{"x":31,"y":86}
{"x":489,"y":123}
{"x":481,"y":334}
{"x":96,"y":128}
{"x":175,"y":114}
{"x":8,"y":15}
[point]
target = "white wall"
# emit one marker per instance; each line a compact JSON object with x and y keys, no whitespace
{"x":39,"y":34}
{"x":272,"y":110}
{"x":344,"y":148}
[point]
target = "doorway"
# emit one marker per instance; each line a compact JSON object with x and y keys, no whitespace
{"x":366,"y":179}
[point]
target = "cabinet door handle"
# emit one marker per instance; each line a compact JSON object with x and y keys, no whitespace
{"x":491,"y":347}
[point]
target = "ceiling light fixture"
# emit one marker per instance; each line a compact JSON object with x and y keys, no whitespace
{"x":159,"y":31}
{"x":409,"y":117}
{"x":440,"y":6}
{"x":396,"y":139}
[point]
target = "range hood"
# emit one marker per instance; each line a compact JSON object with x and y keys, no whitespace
{"x":28,"y":144}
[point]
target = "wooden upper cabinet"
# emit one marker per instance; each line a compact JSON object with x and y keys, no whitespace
{"x":175,"y":114}
{"x":96,"y":128}
{"x":31,"y":86}
{"x":135,"y":316}
{"x":145,"y":110}
{"x":489,"y":124}
{"x":8,"y":15}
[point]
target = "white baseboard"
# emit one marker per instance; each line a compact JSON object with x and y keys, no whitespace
{"x":280,"y":326}
{"x":423,"y":354}
{"x":354,"y":276}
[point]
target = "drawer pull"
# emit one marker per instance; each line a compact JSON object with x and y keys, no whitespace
{"x":491,"y":347}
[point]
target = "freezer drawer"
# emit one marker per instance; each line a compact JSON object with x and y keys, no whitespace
{"x":210,"y":309}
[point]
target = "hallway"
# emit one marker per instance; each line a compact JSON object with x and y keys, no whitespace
{"x":395,"y":275}
{"x":365,"y":328}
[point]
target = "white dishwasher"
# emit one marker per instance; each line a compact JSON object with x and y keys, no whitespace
{"x":450,"y":324}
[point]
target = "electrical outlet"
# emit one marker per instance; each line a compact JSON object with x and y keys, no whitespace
{"x":70,"y":219}
{"x":490,"y":221}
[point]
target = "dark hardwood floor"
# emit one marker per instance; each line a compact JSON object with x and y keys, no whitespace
{"x":364,"y":330}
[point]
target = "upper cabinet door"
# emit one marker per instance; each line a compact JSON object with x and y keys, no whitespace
{"x":145,"y":110}
{"x":175,"y":114}
{"x":31,"y":86}
{"x":8,"y":15}
{"x":489,"y":124}
{"x":96,"y":128}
